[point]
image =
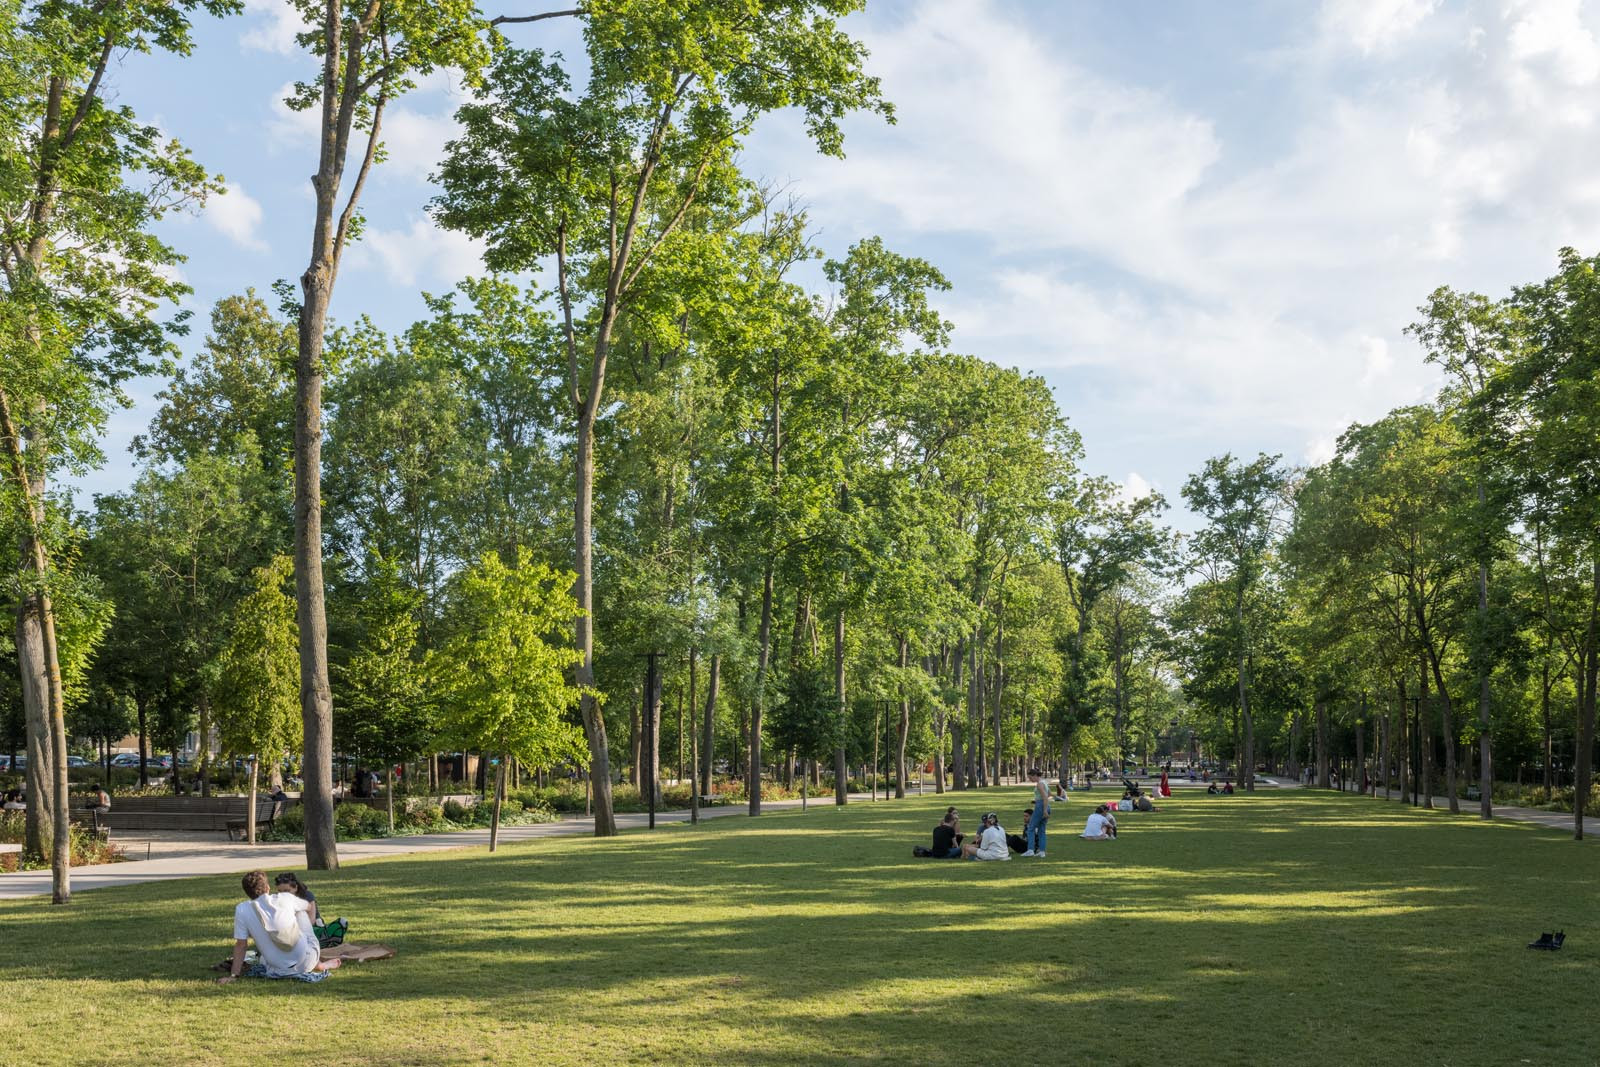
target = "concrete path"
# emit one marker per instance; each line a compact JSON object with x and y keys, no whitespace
{"x":189,"y":856}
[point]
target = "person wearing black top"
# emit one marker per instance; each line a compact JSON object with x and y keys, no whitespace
{"x":946,"y":839}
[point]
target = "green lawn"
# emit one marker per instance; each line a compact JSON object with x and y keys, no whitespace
{"x":1293,"y":928}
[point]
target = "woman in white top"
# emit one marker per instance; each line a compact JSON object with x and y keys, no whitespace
{"x":991,"y":843}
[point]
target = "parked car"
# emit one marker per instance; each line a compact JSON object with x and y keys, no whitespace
{"x":163,"y":763}
{"x":125,"y":759}
{"x":77,"y":761}
{"x":21,"y":764}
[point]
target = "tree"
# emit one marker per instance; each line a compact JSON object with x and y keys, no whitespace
{"x":257,"y":682}
{"x":388,"y":702}
{"x":371,"y":51}
{"x":1240,"y":502}
{"x":81,"y":183}
{"x":1101,"y":541}
{"x":1544,"y":409}
{"x":508,"y":660}
{"x":603,"y":182}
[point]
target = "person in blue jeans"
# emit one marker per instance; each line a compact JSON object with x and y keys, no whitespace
{"x":1034,"y":835}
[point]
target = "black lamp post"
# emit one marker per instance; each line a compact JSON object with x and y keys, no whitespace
{"x":887,"y":706}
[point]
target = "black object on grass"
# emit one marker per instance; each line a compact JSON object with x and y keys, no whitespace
{"x":1549,"y":942}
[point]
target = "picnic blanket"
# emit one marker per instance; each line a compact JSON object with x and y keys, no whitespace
{"x":349,"y":952}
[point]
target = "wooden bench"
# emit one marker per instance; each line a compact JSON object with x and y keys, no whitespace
{"x":177,"y":813}
{"x":91,"y":820}
{"x":267,"y":812}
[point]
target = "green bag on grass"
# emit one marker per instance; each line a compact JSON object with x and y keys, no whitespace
{"x":331,"y":933}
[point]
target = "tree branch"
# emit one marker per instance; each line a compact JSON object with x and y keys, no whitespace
{"x":506,"y":19}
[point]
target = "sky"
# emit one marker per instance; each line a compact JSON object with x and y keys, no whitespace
{"x":1206,"y":226}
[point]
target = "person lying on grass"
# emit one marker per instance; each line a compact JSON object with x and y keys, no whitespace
{"x":1100,"y":826}
{"x":283,"y":941}
{"x":991,"y":843}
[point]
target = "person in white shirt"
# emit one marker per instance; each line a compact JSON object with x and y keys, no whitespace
{"x":251,"y":923}
{"x":1099,"y":826}
{"x":991,"y":843}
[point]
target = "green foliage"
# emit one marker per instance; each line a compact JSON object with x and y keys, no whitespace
{"x":505,"y":686}
{"x":257,"y":694}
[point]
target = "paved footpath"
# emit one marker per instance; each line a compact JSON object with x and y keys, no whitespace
{"x":184,"y":857}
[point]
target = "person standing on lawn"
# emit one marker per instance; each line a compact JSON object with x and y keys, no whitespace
{"x":1034,"y":835}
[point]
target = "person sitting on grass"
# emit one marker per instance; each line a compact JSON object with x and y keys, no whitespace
{"x":947,"y":837}
{"x":260,"y":917}
{"x":1016,"y":842}
{"x":1227,"y":787}
{"x":1099,"y":826}
{"x":991,"y":843}
{"x":288,"y":883}
{"x":1212,"y":789}
{"x":1142,"y":803}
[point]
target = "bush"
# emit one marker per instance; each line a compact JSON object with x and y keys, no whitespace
{"x":455,"y":811}
{"x":86,"y":848}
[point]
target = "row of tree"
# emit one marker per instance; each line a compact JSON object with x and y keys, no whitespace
{"x":796,"y":495}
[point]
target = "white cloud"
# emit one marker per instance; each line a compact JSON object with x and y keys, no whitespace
{"x":289,"y":128}
{"x":1373,"y":25}
{"x":237,"y":216}
{"x":1378,"y":363}
{"x":1133,"y":487}
{"x":272,"y":25}
{"x":415,"y":142}
{"x":419,"y":254}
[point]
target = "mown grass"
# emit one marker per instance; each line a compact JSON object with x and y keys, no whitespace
{"x":1285,"y":928}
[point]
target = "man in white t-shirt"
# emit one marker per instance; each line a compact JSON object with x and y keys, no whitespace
{"x":991,"y":843}
{"x":1099,"y":827}
{"x":251,"y":923}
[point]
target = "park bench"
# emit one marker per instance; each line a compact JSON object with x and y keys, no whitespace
{"x":267,"y":812}
{"x":178,"y":813}
{"x":90,"y":820}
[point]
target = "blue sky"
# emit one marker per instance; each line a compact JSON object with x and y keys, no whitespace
{"x":1205,"y":225}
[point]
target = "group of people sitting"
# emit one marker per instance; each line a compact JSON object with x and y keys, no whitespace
{"x":993,"y":843}
{"x":287,"y":928}
{"x":1227,"y":788}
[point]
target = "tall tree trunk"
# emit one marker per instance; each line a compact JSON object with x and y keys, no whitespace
{"x":904,"y":725}
{"x":1447,"y":730}
{"x":1424,"y":733}
{"x":499,"y":798}
{"x":39,"y":821}
{"x":1544,"y":707}
{"x":1485,"y":755}
{"x":1323,"y":781}
{"x":316,"y":697}
{"x":636,"y":748}
{"x":764,"y":638}
{"x":974,"y":714}
{"x":841,"y":773}
{"x":999,"y":679}
{"x":1588,"y":679}
{"x":594,"y":723}
{"x":707,"y":753}
{"x":958,"y":755}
